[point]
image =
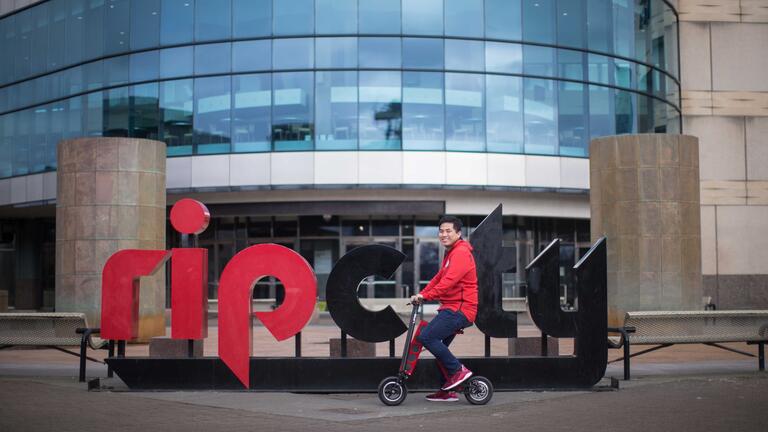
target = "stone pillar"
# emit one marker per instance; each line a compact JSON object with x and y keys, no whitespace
{"x":644,"y":196}
{"x":111,"y":196}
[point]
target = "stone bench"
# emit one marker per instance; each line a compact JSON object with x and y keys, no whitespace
{"x":666,"y":328}
{"x":52,"y":330}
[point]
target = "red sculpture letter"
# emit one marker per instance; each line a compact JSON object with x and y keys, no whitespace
{"x":189,"y":297}
{"x":235,"y":307}
{"x":120,"y":290}
{"x":189,"y":273}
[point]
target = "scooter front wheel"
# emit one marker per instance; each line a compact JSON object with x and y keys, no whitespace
{"x":392,"y":391}
{"x":478,"y":390}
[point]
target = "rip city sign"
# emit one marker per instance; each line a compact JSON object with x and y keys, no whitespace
{"x":236,"y":368}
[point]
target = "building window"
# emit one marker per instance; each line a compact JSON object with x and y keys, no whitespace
{"x":380,"y":110}
{"x":423,"y":17}
{"x":293,"y":17}
{"x":464,"y":109}
{"x":423,"y":111}
{"x":251,"y":122}
{"x":292,"y":110}
{"x":213,"y":19}
{"x":379,"y":16}
{"x":504,"y":114}
{"x":335,"y":16}
{"x":212,"y":115}
{"x":336,"y":115}
{"x":464,"y":18}
{"x":423,"y":53}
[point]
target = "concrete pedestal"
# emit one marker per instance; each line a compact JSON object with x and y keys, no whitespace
{"x":531,"y":346}
{"x":355,"y":348}
{"x":163,"y":346}
{"x":644,"y":197}
{"x":111,"y":196}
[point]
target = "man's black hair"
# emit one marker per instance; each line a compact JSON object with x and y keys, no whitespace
{"x":452,"y":220}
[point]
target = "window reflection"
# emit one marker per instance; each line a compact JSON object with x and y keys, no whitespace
{"x":145,"y":24}
{"x":251,"y":18}
{"x":213,"y":19}
{"x":176,"y":62}
{"x":598,"y":68}
{"x":423,"y":17}
{"x":335,"y":16}
{"x":116,"y":116}
{"x":571,"y":119}
{"x":37,"y":139}
{"x":94,"y":34}
{"x":600,"y":111}
{"x":296,"y":53}
{"x":464,"y":106}
{"x":75,"y":37}
{"x":23,"y":128}
{"x":176,"y":112}
{"x":623,"y":73}
{"x":625,"y":112}
{"x":380,"y":110}
{"x":599,"y":25}
{"x":293,"y":17}
{"x":145,"y":114}
{"x":464,"y":55}
{"x":538,"y":60}
{"x":540,"y":121}
{"x":423,"y":53}
{"x":292,"y":111}
{"x":336,"y":52}
{"x":503,"y":19}
{"x":144,"y":66}
{"x":251,"y":55}
{"x":570,"y":64}
{"x":251,"y":124}
{"x":212,"y":115}
{"x":570,"y":22}
{"x":623,"y":28}
{"x":539,"y":19}
{"x":177,"y":21}
{"x":380,"y":52}
{"x":379,"y":16}
{"x":336,"y":114}
{"x":464,"y":18}
{"x":213,"y":58}
{"x":504,"y":114}
{"x":503,"y":57}
{"x":94,"y":114}
{"x":423,"y":111}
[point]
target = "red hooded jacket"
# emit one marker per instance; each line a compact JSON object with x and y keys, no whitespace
{"x":455,"y":285}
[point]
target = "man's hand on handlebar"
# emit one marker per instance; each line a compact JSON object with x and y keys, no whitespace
{"x":417,"y":299}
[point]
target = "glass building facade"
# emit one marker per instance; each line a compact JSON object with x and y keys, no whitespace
{"x":237,"y":76}
{"x":532,"y":77}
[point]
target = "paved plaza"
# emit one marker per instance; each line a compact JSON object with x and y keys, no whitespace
{"x":695,"y":387}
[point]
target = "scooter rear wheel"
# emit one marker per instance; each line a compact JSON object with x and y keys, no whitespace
{"x":478,"y":390}
{"x":392,"y":391}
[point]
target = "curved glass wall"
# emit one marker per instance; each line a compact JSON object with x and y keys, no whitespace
{"x":221,"y":76}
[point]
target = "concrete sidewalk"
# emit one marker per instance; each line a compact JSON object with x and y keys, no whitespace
{"x":682,"y":386}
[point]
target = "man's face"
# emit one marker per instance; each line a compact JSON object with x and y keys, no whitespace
{"x":447,"y":235}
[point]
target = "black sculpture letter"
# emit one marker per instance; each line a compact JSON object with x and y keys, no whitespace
{"x":341,"y":293}
{"x":492,"y":260}
{"x":544,"y":294}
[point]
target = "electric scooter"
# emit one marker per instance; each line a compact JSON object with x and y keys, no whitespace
{"x":392,"y":390}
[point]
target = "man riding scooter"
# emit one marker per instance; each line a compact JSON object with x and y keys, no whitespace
{"x":455,"y":287}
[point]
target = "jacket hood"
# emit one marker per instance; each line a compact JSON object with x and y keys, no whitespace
{"x":461,"y":243}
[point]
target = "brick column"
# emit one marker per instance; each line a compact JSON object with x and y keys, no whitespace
{"x":111,"y":196}
{"x":644,"y":197}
